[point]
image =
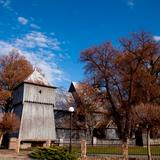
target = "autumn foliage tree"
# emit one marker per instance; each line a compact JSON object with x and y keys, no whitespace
{"x":126,"y":77}
{"x":14,"y":68}
{"x":8,"y":122}
{"x":147,"y":116}
{"x":91,"y":107}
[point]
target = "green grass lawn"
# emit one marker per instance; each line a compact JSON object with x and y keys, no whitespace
{"x":155,"y":150}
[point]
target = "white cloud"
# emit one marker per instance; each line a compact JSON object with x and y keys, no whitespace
{"x":130,"y":3}
{"x":5,"y":3}
{"x":49,"y":71}
{"x":38,"y":39}
{"x":22,"y":20}
{"x":41,"y":50}
{"x":34,"y":26}
{"x":5,"y":48}
{"x":156,"y":38}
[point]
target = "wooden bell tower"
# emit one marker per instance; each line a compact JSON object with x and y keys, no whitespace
{"x":34,"y":101}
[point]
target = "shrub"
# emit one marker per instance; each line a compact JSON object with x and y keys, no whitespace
{"x":52,"y":153}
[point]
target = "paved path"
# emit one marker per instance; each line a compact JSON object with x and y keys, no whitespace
{"x":12,"y":155}
{"x":131,"y":157}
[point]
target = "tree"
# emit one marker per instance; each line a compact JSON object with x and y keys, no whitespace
{"x":147,"y":116}
{"x":125,"y":77}
{"x":8,"y":122}
{"x":90,"y":107}
{"x":14,"y":68}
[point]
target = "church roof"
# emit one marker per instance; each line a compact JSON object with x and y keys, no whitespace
{"x":63,"y":100}
{"x":37,"y":78}
{"x":74,"y":87}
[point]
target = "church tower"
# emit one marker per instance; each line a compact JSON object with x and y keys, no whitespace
{"x":34,"y":101}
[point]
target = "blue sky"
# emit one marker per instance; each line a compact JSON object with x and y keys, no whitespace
{"x":52,"y":33}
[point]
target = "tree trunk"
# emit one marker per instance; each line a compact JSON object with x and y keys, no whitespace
{"x":148,"y":144}
{"x":138,"y":137}
{"x":1,"y":137}
{"x":92,"y":136}
{"x":125,"y":149}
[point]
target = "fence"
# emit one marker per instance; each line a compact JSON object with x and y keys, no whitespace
{"x":115,"y":150}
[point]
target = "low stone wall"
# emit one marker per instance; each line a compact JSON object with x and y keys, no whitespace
{"x":95,"y":141}
{"x":155,"y":141}
{"x":113,"y":142}
{"x":14,"y":144}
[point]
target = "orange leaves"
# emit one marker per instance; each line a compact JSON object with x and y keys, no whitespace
{"x":99,"y":59}
{"x":126,"y":76}
{"x":147,"y":114}
{"x":14,"y":68}
{"x":92,"y":106}
{"x":89,"y":96}
{"x":4,"y":95}
{"x":9,"y":122}
{"x":130,"y":74}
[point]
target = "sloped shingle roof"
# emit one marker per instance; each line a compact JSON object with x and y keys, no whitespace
{"x":37,"y":78}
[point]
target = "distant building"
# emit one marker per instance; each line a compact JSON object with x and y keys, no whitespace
{"x":103,"y":129}
{"x":64,"y":100}
{"x":107,"y":134}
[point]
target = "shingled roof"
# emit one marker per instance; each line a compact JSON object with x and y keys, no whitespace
{"x":37,"y":78}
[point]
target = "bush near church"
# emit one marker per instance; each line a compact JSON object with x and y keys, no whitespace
{"x":53,"y":153}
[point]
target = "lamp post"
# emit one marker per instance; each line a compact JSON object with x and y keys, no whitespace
{"x":71,"y":110}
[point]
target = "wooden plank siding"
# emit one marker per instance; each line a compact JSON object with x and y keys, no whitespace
{"x":39,"y":94}
{"x":18,"y":108}
{"x":34,"y":105}
{"x":37,"y":122}
{"x":18,"y":95}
